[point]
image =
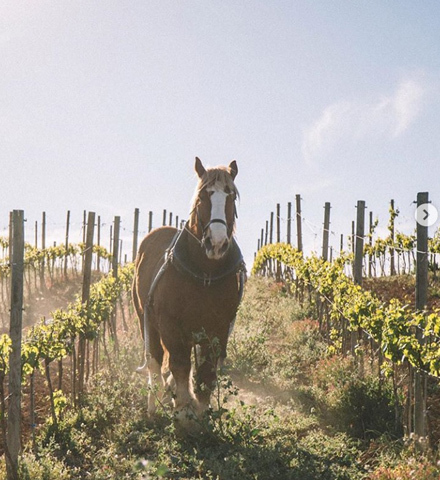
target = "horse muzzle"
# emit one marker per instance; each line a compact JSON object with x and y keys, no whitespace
{"x":215,"y":239}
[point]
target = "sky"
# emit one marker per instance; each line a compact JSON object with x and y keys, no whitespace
{"x":105,"y":104}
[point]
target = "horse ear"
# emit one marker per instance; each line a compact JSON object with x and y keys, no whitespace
{"x":233,"y":169}
{"x":200,"y":169}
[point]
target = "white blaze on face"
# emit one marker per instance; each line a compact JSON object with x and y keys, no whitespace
{"x":218,"y":231}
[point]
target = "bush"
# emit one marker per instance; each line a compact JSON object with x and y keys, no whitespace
{"x":43,"y":468}
{"x":365,"y":409}
{"x":420,"y":469}
{"x":360,"y":406}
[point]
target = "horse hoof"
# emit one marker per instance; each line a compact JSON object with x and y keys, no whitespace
{"x":186,"y":418}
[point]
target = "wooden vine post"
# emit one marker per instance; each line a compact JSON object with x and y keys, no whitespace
{"x":326,"y":231}
{"x":14,"y":410}
{"x":278,"y":223}
{"x":298,"y":223}
{"x":98,"y":242}
{"x":278,"y":237}
{"x":43,"y":247}
{"x":115,"y":263}
{"x":84,"y":237}
{"x":135,"y":233}
{"x":392,"y":236}
{"x":421,"y":302}
{"x":150,"y":221}
{"x":271,"y":228}
{"x":359,"y":243}
{"x":358,"y":263}
{"x":115,"y":249}
{"x":87,"y":278}
{"x":353,"y":238}
{"x":67,"y":242}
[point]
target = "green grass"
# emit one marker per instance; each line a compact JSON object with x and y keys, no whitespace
{"x":111,"y":437}
{"x":284,"y":409}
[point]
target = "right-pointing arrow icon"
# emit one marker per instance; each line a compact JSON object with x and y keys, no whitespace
{"x":426,"y":214}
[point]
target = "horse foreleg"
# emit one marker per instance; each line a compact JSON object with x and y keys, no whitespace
{"x":222,"y":358}
{"x":154,"y":363}
{"x":170,"y":388}
{"x":206,"y":376}
{"x":156,"y":384}
{"x":180,"y":366}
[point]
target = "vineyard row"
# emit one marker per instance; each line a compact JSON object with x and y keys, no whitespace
{"x":394,"y":254}
{"x":393,"y":326}
{"x":353,"y":319}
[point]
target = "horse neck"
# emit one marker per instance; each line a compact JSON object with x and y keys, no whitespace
{"x":194,"y":227}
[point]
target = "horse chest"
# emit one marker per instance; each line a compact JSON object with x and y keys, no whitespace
{"x":195,"y":304}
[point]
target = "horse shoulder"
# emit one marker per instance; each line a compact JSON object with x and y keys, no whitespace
{"x":150,"y":258}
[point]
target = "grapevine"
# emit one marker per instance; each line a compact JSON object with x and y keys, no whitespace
{"x":53,"y":339}
{"x":393,"y":325}
{"x":33,"y":256}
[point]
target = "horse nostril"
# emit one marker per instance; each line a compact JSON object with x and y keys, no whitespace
{"x":224,"y":247}
{"x":208,"y":243}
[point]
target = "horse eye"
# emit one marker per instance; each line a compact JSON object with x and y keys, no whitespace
{"x":205,"y":194}
{"x":231,"y":193}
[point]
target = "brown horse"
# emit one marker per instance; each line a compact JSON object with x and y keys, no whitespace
{"x":187,"y":289}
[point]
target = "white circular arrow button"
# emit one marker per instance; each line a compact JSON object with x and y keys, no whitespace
{"x":426,"y":215}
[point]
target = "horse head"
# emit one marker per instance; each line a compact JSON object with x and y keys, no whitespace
{"x":214,"y":208}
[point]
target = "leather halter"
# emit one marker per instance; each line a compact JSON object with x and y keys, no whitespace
{"x":204,"y":228}
{"x":215,"y":220}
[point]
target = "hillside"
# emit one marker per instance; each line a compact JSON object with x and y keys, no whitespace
{"x":284,"y":409}
{"x":40,"y":301}
{"x":403,"y":287}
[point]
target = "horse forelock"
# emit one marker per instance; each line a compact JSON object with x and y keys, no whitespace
{"x":218,"y":178}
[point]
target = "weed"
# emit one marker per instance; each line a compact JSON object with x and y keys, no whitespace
{"x":310,"y":417}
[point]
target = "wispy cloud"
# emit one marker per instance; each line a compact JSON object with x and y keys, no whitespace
{"x":407,"y":104}
{"x":348,"y":122}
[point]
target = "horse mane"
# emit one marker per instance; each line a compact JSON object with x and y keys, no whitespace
{"x":215,"y":177}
